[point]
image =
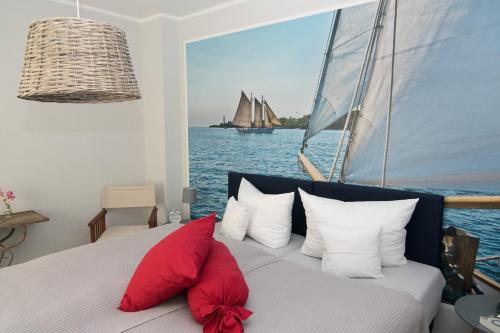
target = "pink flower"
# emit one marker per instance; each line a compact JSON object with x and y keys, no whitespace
{"x":10,"y":195}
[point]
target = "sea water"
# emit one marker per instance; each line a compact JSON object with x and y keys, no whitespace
{"x":215,"y":151}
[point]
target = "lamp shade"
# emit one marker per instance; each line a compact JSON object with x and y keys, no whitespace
{"x":74,"y":60}
{"x":189,"y":195}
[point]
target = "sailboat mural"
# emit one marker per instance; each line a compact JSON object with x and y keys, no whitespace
{"x":263,"y":120}
{"x":417,"y":105}
{"x":421,"y":83}
{"x":416,"y":85}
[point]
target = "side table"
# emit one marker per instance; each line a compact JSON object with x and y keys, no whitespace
{"x":13,"y":222}
{"x":471,"y":307}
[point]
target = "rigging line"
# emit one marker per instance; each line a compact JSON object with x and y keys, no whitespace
{"x":366,"y":80}
{"x":388,"y":128}
{"x":351,"y":39}
{"x":362,"y":72}
{"x":322,"y":74}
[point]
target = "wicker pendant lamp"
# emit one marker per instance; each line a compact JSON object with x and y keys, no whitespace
{"x":75,"y":60}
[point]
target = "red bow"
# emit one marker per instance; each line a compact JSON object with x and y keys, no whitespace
{"x":223,"y":318}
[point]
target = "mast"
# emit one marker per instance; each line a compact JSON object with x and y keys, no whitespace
{"x":263,"y":110}
{"x":253,"y":109}
{"x":263,"y":121}
{"x":389,"y":112}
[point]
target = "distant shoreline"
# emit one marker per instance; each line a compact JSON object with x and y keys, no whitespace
{"x":290,"y":123}
{"x":275,"y":128}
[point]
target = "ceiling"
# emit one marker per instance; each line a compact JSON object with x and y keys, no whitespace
{"x":142,"y":9}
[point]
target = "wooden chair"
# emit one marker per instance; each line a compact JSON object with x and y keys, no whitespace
{"x":123,"y":197}
{"x":458,"y":263}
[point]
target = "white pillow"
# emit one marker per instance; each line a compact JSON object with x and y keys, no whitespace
{"x":351,"y":252}
{"x":391,"y":216}
{"x":235,"y":221}
{"x":270,"y":215}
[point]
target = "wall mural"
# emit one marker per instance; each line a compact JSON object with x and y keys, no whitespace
{"x":262,"y":80}
{"x":258,"y":97}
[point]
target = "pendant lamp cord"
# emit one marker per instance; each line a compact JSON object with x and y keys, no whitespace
{"x":78,"y":9}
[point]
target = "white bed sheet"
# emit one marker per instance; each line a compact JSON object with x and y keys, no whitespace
{"x":425,"y":283}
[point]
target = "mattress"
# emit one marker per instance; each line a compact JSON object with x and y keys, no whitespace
{"x":425,"y":283}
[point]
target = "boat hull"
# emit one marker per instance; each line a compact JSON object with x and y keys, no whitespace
{"x":256,"y":130}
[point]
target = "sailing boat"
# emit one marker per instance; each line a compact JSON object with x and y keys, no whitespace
{"x":416,"y":84}
{"x":247,"y":107}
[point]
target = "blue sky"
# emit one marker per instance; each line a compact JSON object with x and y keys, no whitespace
{"x":280,"y":61}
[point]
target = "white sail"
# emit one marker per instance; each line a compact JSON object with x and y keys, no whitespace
{"x":273,"y":119}
{"x":267,"y":119}
{"x":343,"y":61}
{"x":243,"y":116}
{"x":258,"y":114}
{"x":445,"y":122}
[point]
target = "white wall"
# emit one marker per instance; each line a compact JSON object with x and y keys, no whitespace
{"x":54,"y":156}
{"x":174,"y":117}
{"x":153,"y":104}
{"x":160,"y":58}
{"x":253,"y":13}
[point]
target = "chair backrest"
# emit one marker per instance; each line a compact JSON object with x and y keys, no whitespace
{"x":128,"y":196}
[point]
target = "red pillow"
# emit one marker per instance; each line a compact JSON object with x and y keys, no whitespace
{"x":170,"y":266}
{"x":217,"y":300}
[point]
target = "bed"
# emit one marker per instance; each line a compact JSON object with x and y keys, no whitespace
{"x":421,"y":277}
{"x":78,"y":290}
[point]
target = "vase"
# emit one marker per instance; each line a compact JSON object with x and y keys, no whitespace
{"x":7,"y":213}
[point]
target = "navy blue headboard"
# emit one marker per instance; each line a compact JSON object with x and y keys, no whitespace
{"x":424,"y":231}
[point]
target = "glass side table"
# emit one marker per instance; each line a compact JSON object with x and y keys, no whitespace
{"x":471,"y":307}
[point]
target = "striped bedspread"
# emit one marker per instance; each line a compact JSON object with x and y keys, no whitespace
{"x":78,"y":290}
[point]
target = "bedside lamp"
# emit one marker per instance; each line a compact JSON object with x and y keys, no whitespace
{"x":189,"y":196}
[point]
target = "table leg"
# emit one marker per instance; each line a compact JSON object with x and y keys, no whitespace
{"x":2,"y":253}
{"x":3,"y":250}
{"x":7,"y":249}
{"x":9,"y":257}
{"x":11,"y":231}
